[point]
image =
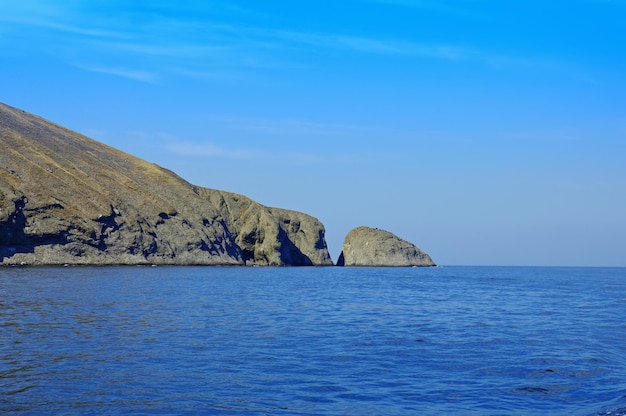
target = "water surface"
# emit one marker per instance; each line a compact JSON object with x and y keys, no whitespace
{"x":313,"y":341}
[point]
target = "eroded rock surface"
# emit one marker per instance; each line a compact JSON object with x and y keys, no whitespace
{"x":67,"y":199}
{"x":364,"y":246}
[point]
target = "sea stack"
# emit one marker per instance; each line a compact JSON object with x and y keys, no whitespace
{"x":364,"y":246}
{"x":68,"y":199}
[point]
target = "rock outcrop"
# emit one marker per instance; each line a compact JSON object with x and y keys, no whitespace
{"x":364,"y":246}
{"x":67,"y":199}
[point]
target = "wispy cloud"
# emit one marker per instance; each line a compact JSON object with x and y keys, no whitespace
{"x":362,"y":44}
{"x":143,"y":76}
{"x":554,"y":135}
{"x":292,"y":127}
{"x":186,"y":148}
{"x":209,"y":46}
{"x":45,"y":23}
{"x":440,"y":6}
{"x":56,"y":17}
{"x":167,"y":49}
{"x":210,"y":150}
{"x":294,"y":142}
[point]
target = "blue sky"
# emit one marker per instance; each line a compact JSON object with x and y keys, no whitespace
{"x":485,"y":132}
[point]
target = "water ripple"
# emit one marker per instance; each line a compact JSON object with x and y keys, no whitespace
{"x":332,"y":341}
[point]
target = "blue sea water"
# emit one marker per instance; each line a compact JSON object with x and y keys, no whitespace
{"x":313,"y":341}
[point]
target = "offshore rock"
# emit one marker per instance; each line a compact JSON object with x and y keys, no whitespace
{"x":364,"y":246}
{"x":67,"y":199}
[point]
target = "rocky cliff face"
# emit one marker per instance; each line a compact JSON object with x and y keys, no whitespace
{"x":364,"y":246}
{"x":270,"y":236}
{"x":65,"y":198}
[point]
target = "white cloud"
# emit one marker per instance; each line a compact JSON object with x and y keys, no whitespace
{"x":555,"y":135}
{"x":292,"y":127}
{"x":211,"y":150}
{"x":191,"y":38}
{"x":186,"y":148}
{"x":439,"y":6}
{"x":209,"y":48}
{"x":143,"y":76}
{"x":366,"y":44}
{"x":276,"y":158}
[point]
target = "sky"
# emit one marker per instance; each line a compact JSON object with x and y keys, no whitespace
{"x":486,"y":132}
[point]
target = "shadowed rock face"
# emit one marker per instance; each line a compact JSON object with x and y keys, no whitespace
{"x":65,"y":198}
{"x":364,"y":246}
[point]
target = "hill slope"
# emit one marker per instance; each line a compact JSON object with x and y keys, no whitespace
{"x":65,"y":198}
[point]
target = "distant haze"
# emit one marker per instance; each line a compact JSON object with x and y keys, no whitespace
{"x":483,"y":132}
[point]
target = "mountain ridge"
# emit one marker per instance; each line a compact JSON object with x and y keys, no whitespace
{"x":68,"y":199}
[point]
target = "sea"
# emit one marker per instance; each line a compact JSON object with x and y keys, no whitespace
{"x":312,"y":341}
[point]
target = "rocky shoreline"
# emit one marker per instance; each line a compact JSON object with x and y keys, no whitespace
{"x":66,"y":199}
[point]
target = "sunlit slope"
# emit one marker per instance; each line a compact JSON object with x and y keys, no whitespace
{"x":65,"y":198}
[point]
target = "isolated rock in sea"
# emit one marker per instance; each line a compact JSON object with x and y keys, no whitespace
{"x":364,"y":246}
{"x":67,"y":199}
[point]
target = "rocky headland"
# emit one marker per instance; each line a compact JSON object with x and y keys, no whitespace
{"x":67,"y":199}
{"x":364,"y":246}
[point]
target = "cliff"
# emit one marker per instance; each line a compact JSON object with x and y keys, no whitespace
{"x":67,"y":199}
{"x":364,"y":246}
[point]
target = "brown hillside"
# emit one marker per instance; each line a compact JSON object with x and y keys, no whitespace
{"x":65,"y":198}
